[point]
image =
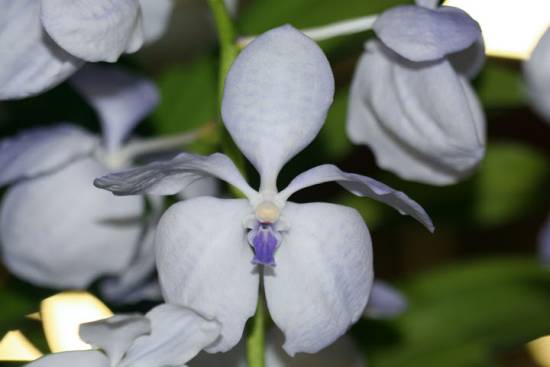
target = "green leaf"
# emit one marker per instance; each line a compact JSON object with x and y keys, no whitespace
{"x":500,"y":85}
{"x":511,"y":182}
{"x":460,"y":315}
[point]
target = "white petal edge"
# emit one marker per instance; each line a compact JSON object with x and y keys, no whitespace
{"x":156,"y":17}
{"x":361,"y":186}
{"x":177,"y":335}
{"x":173,"y":176}
{"x":87,"y":358}
{"x":99,"y":30}
{"x":38,"y":151}
{"x":120,"y":98}
{"x":385,"y":301}
{"x":323,"y":276}
{"x":204,"y":263}
{"x":276,"y":97}
{"x":115,"y":334}
{"x":420,"y":34}
{"x":31,"y":61}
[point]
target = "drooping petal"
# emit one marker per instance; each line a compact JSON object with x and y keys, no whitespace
{"x":40,"y":151}
{"x":470,"y":61}
{"x":421,"y":34}
{"x":97,"y":30}
{"x":361,"y":186}
{"x":56,"y":229}
{"x":120,"y":99}
{"x":385,"y":302}
{"x":156,"y":17}
{"x":323,"y":276}
{"x":276,"y":97}
{"x":116,"y":334}
{"x":436,"y":137}
{"x":177,"y":335}
{"x":31,"y":61}
{"x":204,"y":262}
{"x":544,"y":243}
{"x":87,"y":358}
{"x":536,"y":72}
{"x":170,"y":177}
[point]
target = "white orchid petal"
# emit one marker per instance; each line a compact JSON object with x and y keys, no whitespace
{"x":421,"y":34}
{"x":361,"y":186}
{"x":31,"y":61}
{"x":537,"y":77}
{"x":87,"y":358}
{"x":120,"y":99}
{"x":156,"y":17}
{"x":436,"y":137}
{"x":56,"y":229}
{"x":99,"y":30}
{"x":204,"y":262}
{"x":470,"y":61}
{"x":42,"y":150}
{"x":170,"y":177}
{"x":115,"y":334}
{"x":385,"y":302}
{"x":323,"y":276}
{"x":177,"y":335}
{"x":208,"y":186}
{"x":276,"y":97}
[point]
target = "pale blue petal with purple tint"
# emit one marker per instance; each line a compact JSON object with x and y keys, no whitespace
{"x":430,"y":4}
{"x":203,"y":260}
{"x":177,"y":335}
{"x":385,"y":301}
{"x":99,"y":30}
{"x":360,"y":186}
{"x":277,"y":94}
{"x":39,"y":151}
{"x":121,"y":99}
{"x":323,"y":276}
{"x":170,"y":177}
{"x":544,"y":243}
{"x":536,"y":72}
{"x":264,"y":239}
{"x":85,"y":358}
{"x":156,"y":17}
{"x":115,"y":335}
{"x":422,"y":34}
{"x":31,"y":61}
{"x":469,"y":61}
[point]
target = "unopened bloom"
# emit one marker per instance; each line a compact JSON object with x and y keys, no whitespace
{"x":168,"y":335}
{"x":56,"y":229}
{"x":316,"y":258}
{"x":411,"y":102}
{"x":43,"y":42}
{"x":536,"y":72}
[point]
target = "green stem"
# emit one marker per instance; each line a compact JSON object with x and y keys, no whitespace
{"x":227,"y":34}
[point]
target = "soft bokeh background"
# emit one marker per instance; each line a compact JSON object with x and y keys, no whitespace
{"x":476,"y":289}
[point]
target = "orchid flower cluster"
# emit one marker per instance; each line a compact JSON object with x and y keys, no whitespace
{"x":211,"y":260}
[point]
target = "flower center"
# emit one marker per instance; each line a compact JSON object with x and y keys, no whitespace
{"x":267,"y":212}
{"x":265,"y":240}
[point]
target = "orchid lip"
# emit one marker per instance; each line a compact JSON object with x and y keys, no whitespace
{"x":265,"y":240}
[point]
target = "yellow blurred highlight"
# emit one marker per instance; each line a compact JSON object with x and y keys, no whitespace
{"x":62,"y":315}
{"x":540,"y":351}
{"x":14,"y":346}
{"x":511,"y":28}
{"x":34,"y":316}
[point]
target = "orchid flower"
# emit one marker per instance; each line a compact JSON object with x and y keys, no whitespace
{"x":536,"y":72}
{"x":411,"y":102}
{"x":385,"y":302}
{"x":315,"y":259}
{"x":43,"y":42}
{"x":168,"y":335}
{"x":544,"y":243}
{"x":56,"y":229}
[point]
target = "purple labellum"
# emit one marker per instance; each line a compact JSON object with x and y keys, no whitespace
{"x":265,"y":240}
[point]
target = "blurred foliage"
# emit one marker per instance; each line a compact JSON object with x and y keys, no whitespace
{"x":462,"y":315}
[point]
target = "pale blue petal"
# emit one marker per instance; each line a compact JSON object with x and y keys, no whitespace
{"x":87,"y":358}
{"x":385,"y":301}
{"x":536,"y":71}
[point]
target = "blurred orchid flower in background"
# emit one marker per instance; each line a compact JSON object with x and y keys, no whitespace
{"x":411,"y":102}
{"x":43,"y":42}
{"x":385,"y":301}
{"x":544,"y":243}
{"x":56,"y":229}
{"x":208,"y":250}
{"x":168,"y":335}
{"x":536,"y":71}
